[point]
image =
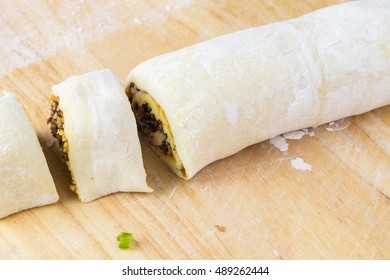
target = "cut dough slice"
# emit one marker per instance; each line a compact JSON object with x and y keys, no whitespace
{"x":92,"y":119}
{"x":213,"y":99}
{"x":25,"y":179}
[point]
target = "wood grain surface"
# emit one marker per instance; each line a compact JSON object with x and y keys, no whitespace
{"x":252,"y":205}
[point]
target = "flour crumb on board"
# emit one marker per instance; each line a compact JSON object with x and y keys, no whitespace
{"x":277,"y":255}
{"x":137,"y":20}
{"x":338,"y":125}
{"x":300,"y":164}
{"x":309,"y":131}
{"x":294,"y":135}
{"x":298,"y":134}
{"x":280,"y":143}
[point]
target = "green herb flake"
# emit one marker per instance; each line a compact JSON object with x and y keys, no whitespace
{"x":124,"y":240}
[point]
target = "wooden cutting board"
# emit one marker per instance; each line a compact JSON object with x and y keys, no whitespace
{"x":252,"y":205}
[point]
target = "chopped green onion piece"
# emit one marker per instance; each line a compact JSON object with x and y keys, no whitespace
{"x":124,"y":244}
{"x":124,"y":240}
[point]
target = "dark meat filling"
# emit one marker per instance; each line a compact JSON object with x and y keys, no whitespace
{"x":56,"y":122}
{"x":150,"y":126}
{"x":154,"y":129}
{"x":147,"y":121}
{"x":166,"y":147}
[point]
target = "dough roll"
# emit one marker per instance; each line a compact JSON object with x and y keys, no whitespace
{"x":210,"y":100}
{"x":92,"y":120}
{"x":25,"y":179}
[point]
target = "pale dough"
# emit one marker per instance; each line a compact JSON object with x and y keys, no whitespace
{"x":25,"y":179}
{"x":104,"y":150}
{"x":225,"y":94}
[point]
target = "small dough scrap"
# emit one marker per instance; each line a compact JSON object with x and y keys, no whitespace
{"x":25,"y":179}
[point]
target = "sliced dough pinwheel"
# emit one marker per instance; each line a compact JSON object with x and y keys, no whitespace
{"x":210,"y":100}
{"x":96,"y":129}
{"x":25,"y":179}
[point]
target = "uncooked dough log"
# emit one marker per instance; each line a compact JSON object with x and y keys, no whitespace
{"x":92,"y":119}
{"x":211,"y":100}
{"x":25,"y":179}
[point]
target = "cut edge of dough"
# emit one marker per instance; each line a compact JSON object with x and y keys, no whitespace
{"x":139,"y":97}
{"x":65,"y":148}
